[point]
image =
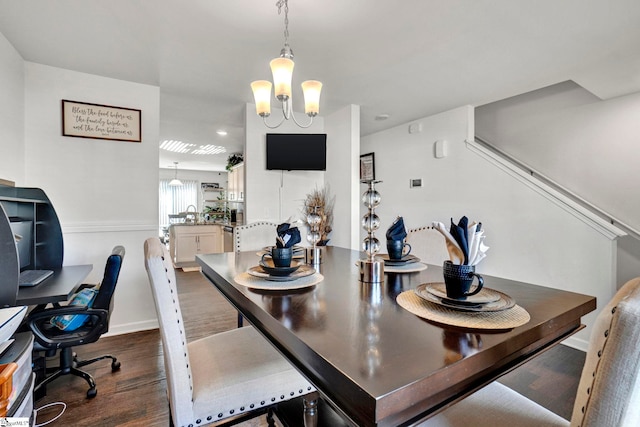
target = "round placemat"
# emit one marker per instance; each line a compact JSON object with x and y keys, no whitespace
{"x":411,"y":267}
{"x":506,"y":319}
{"x":245,"y":279}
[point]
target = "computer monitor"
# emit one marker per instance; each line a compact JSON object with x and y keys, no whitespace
{"x":23,"y":235}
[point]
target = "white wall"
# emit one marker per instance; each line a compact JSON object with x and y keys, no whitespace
{"x":342,"y":177}
{"x":531,"y":238}
{"x":275,"y":195}
{"x":105,"y":192}
{"x":11,"y":113}
{"x":590,"y":146}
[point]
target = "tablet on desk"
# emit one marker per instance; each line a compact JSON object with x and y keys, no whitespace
{"x":33,"y":277}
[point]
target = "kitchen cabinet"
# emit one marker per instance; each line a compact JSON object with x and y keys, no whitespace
{"x":187,"y":241}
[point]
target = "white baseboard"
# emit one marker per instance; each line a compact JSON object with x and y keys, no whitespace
{"x":128,"y":328}
{"x":577,"y":343}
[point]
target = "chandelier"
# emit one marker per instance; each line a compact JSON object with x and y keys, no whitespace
{"x":282,"y":70}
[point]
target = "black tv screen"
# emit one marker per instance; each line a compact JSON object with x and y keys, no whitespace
{"x":297,"y":151}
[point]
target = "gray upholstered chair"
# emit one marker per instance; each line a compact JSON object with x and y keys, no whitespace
{"x":609,"y":389}
{"x":428,"y":245}
{"x":254,"y":236}
{"x":227,"y":376}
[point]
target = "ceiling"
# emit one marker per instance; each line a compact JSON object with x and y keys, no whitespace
{"x":407,"y":59}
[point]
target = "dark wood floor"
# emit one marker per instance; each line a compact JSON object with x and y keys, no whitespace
{"x":136,"y":396}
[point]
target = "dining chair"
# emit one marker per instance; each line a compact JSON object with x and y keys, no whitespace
{"x":428,"y":245}
{"x":609,"y":388}
{"x":223,"y":378}
{"x":254,"y":236}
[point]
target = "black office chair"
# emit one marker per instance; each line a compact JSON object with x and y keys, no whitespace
{"x":50,"y":338}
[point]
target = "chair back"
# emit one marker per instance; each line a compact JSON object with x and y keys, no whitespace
{"x":104,"y":299}
{"x":609,"y":389}
{"x":162,"y":278}
{"x":428,"y":245}
{"x":254,"y":236}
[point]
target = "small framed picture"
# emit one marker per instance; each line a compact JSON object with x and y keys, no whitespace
{"x":367,"y":167}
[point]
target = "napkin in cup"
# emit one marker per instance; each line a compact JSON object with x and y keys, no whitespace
{"x":287,"y":235}
{"x":397,"y":231}
{"x":464,"y":240}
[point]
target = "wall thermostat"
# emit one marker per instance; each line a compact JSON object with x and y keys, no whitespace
{"x":416,"y":182}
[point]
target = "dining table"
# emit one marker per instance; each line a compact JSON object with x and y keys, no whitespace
{"x":374,"y":360}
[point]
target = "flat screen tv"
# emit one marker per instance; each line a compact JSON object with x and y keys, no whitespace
{"x":297,"y":151}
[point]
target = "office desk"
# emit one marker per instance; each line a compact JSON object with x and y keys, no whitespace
{"x":59,"y":287}
{"x":377,"y":363}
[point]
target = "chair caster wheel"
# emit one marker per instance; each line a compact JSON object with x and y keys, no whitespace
{"x":91,"y":393}
{"x":115,"y":366}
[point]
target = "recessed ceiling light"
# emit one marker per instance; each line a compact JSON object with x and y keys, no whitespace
{"x":381,"y":117}
{"x":221,"y":132}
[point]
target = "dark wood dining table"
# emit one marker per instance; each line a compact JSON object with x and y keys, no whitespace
{"x":377,"y":363}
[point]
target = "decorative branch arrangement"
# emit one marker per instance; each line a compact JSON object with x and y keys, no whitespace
{"x":320,"y":202}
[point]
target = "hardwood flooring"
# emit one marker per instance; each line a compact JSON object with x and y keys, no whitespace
{"x":136,"y":395}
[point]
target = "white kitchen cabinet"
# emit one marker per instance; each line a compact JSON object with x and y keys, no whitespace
{"x":187,"y":241}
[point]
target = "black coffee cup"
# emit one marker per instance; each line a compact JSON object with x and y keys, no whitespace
{"x":459,"y":278}
{"x":281,"y":256}
{"x":396,"y":249}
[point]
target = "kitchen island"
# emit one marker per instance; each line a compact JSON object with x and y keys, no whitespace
{"x":188,"y":240}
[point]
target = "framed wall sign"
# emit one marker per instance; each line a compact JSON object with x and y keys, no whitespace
{"x":84,"y":120}
{"x":367,"y":167}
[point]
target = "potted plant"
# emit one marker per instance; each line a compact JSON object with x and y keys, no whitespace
{"x":234,"y":159}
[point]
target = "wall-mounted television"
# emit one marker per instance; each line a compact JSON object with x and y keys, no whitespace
{"x":297,"y":151}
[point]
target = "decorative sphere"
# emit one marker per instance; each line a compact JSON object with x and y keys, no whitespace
{"x":371,"y":245}
{"x":313,"y":237}
{"x":313,"y":219}
{"x":371,"y":198}
{"x":370,"y":222}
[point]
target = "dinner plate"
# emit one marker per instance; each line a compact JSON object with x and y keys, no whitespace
{"x":503,"y":303}
{"x":268,"y":266}
{"x":407,"y":259}
{"x":485,"y":296}
{"x":303,"y":271}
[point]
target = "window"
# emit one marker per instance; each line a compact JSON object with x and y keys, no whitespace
{"x":174,"y":200}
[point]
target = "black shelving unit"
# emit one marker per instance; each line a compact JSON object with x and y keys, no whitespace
{"x":47,"y":250}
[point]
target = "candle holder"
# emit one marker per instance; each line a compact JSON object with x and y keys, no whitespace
{"x":313,"y":254}
{"x":371,"y":269}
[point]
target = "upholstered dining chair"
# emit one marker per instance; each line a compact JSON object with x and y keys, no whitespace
{"x":254,"y":236}
{"x":428,"y":245}
{"x":609,"y":388}
{"x":223,"y":378}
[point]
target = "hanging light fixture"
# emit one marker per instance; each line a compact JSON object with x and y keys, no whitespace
{"x":282,"y":70}
{"x":175,"y":182}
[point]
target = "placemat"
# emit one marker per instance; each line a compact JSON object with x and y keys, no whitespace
{"x":245,"y":279}
{"x":506,"y":319}
{"x":411,"y":267}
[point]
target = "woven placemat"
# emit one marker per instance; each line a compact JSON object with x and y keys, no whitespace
{"x":506,"y":319}
{"x":407,"y":268}
{"x":246,"y":279}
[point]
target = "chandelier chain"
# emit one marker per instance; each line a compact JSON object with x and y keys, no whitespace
{"x":284,"y":3}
